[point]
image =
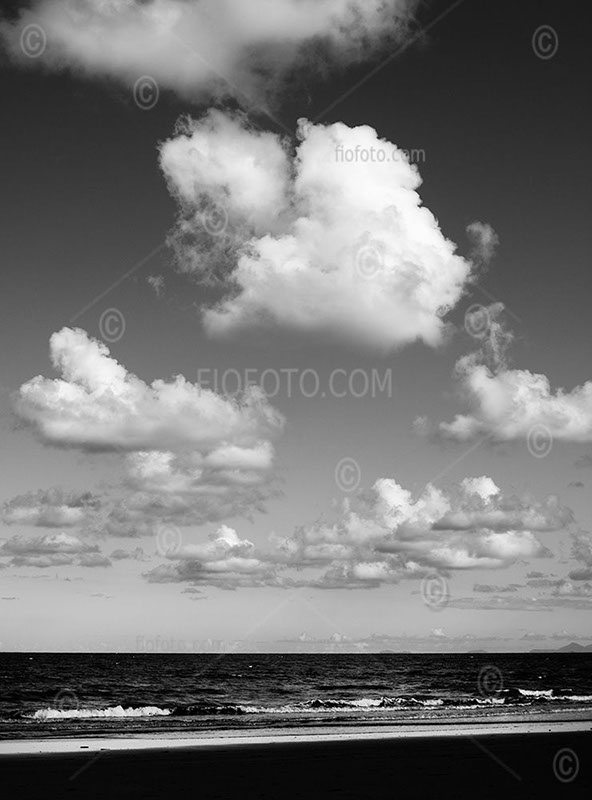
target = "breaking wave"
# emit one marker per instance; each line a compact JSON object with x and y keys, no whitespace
{"x":511,"y":697}
{"x":116,"y":712}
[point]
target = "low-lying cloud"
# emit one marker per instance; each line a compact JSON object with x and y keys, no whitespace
{"x":51,"y":508}
{"x":380,"y":536}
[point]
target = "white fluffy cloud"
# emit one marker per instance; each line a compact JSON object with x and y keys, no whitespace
{"x":311,"y":243}
{"x":192,"y":455}
{"x":201,"y":48}
{"x":515,"y":404}
{"x":98,"y":406}
{"x":51,"y":508}
{"x":225,"y":561}
{"x":379,"y":537}
{"x":435,"y":531}
{"x":512,"y":404}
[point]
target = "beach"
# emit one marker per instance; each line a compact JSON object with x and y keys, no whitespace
{"x":531,"y":759}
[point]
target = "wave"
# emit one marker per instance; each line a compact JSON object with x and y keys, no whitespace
{"x":512,"y":697}
{"x":116,"y":712}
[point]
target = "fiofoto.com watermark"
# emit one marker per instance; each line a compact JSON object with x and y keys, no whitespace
{"x":378,"y":155}
{"x":292,"y":382}
{"x":167,"y":644}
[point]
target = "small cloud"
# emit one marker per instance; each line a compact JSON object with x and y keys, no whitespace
{"x":488,"y":588}
{"x":137,"y":554}
{"x":484,"y":241}
{"x":156,"y":282}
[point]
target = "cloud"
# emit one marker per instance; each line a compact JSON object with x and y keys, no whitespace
{"x":576,"y":592}
{"x":93,"y":560}
{"x":512,"y":404}
{"x":502,"y":602}
{"x":484,"y":240}
{"x":51,"y":508}
{"x":192,"y":488}
{"x":307,"y":243}
{"x":97,"y":406}
{"x":205,"y":48}
{"x":156,"y":283}
{"x":543,"y":583}
{"x":137,"y":554}
{"x":435,"y":530}
{"x":225,"y":561}
{"x":52,"y":550}
{"x":380,"y":536}
{"x":49,"y":544}
{"x":582,"y":551}
{"x":189,"y":454}
{"x":487,"y":588}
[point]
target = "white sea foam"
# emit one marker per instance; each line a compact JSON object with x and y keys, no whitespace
{"x":116,"y":712}
{"x":536,"y":692}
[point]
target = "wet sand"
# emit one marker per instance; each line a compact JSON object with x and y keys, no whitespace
{"x":471,"y":763}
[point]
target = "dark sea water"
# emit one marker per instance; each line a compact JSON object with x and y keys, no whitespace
{"x":45,"y":695}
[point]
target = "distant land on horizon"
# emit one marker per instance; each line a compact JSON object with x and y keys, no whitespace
{"x":572,"y":647}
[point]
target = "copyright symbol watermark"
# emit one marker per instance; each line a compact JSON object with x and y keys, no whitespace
{"x":545,"y":42}
{"x":215,"y":219}
{"x":146,"y":92}
{"x":566,"y":765}
{"x":490,"y":681}
{"x":112,"y":325}
{"x":66,"y":700}
{"x":477,"y":321}
{"x":369,"y":261}
{"x":33,"y":41}
{"x":539,"y":441}
{"x":434,"y":591}
{"x":168,"y":539}
{"x":348,"y":475}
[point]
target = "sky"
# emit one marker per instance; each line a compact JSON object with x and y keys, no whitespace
{"x":296,"y":337}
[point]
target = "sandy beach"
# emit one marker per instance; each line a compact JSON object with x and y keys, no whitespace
{"x":510,"y":760}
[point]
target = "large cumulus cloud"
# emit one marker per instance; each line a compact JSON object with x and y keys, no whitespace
{"x":311,"y":243}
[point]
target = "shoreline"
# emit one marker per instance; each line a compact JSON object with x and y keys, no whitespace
{"x":231,"y":739}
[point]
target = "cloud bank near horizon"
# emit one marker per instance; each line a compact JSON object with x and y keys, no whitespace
{"x":380,"y":536}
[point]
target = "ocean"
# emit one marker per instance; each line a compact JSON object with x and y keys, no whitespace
{"x":51,"y":695}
